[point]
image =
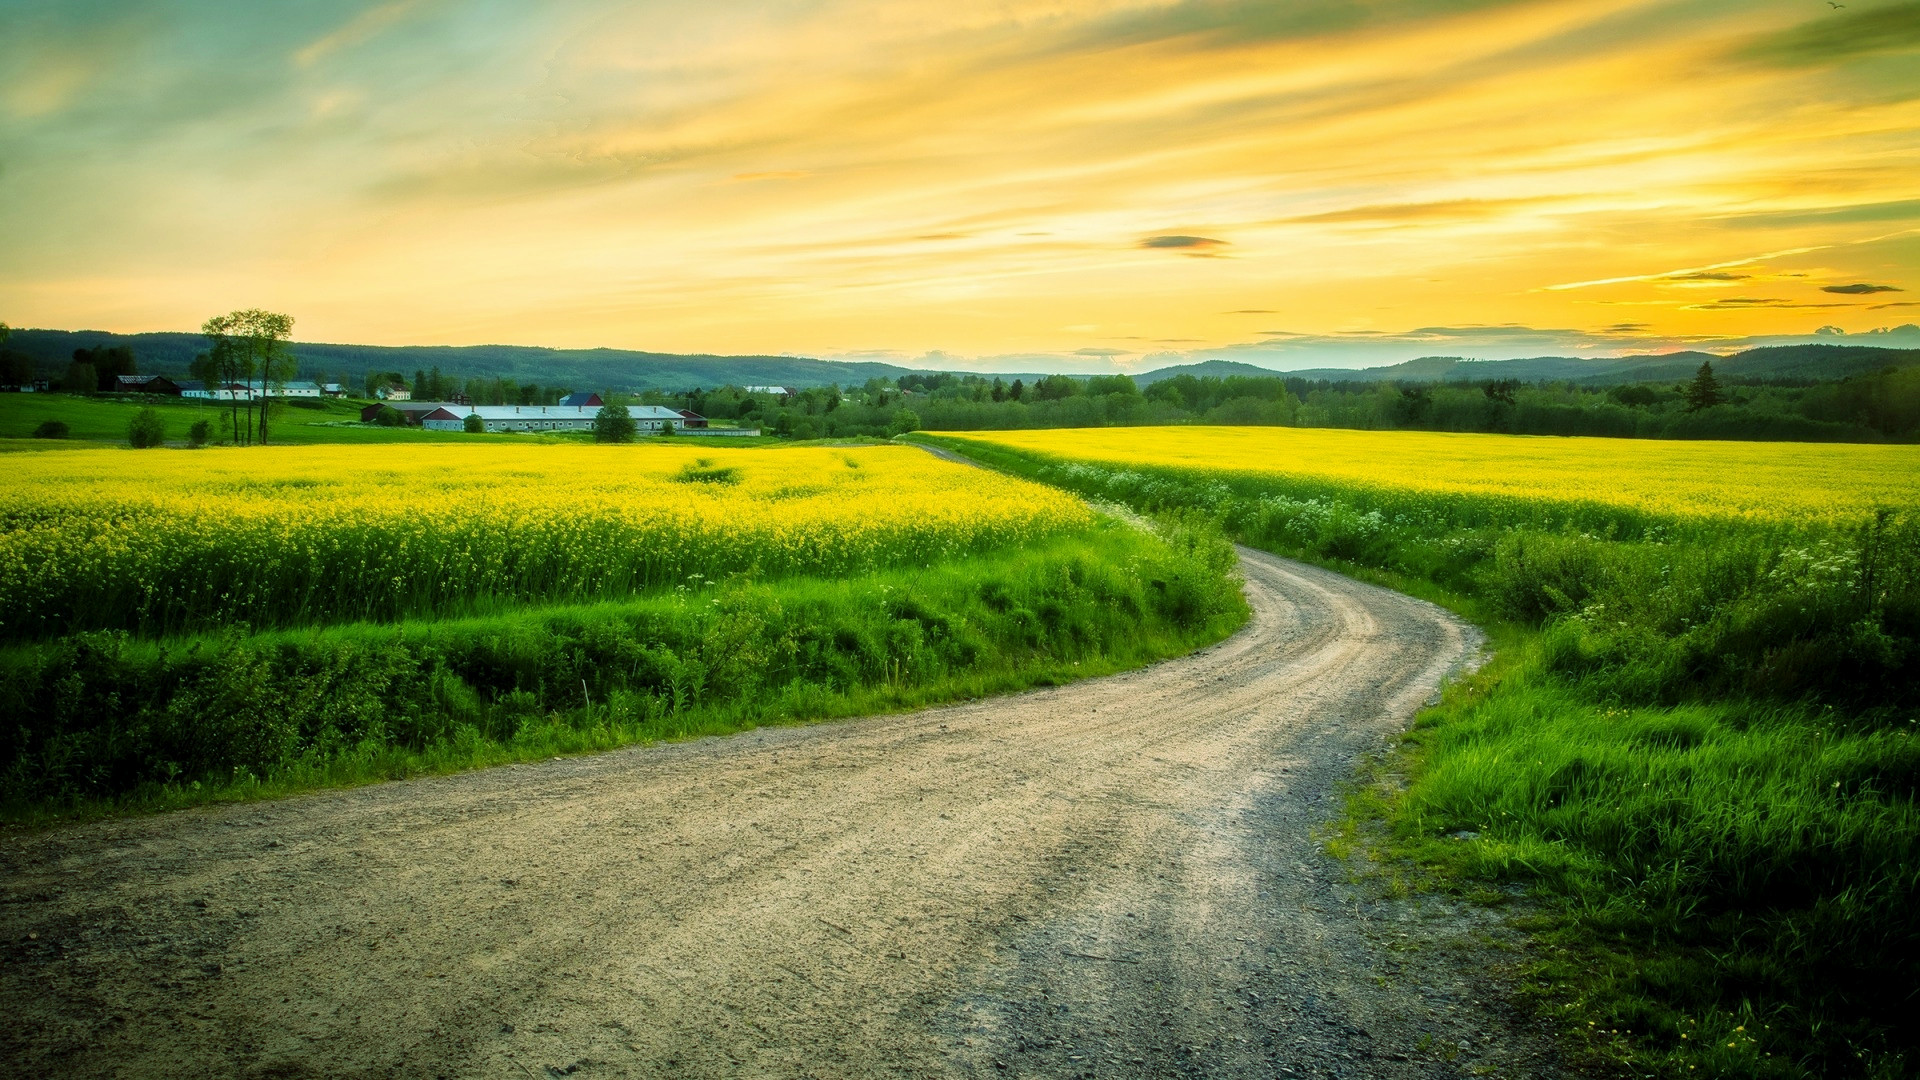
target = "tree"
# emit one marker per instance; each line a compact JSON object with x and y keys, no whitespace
{"x":80,"y":379}
{"x":108,"y":364}
{"x":1704,"y":391}
{"x":1017,"y":389}
{"x":472,"y":425}
{"x":251,"y":343}
{"x":1501,"y":390}
{"x":904,"y":421}
{"x":666,"y":428}
{"x":147,"y":430}
{"x":16,"y":368}
{"x":613,"y":424}
{"x":422,"y":387}
{"x":197,"y":434}
{"x":1056,"y":388}
{"x":388,"y":416}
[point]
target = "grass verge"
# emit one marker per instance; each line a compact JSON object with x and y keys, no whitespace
{"x":1696,"y":750}
{"x":104,"y":722}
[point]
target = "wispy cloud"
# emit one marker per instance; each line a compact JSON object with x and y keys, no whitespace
{"x":368,"y":24}
{"x":1183,"y":243}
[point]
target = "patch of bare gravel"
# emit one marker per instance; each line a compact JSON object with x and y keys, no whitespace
{"x":1114,"y":878}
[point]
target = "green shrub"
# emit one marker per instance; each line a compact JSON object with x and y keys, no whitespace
{"x":198,"y":433}
{"x":613,"y":424}
{"x":388,"y":416}
{"x":147,"y":429}
{"x":51,"y":429}
{"x":473,"y":425}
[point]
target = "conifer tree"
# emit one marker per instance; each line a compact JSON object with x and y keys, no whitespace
{"x":1704,"y":391}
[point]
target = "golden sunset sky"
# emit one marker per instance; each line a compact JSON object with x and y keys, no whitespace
{"x":1088,"y":182}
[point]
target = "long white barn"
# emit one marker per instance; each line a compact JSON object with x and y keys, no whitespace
{"x":648,"y":418}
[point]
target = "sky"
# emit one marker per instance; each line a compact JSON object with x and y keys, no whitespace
{"x":993,"y":184}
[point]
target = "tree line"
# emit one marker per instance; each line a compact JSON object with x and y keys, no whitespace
{"x":1877,"y":407}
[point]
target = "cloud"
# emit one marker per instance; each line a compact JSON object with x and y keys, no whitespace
{"x":1708,"y":275}
{"x":771,"y":174}
{"x":1748,"y":303}
{"x":1860,"y":288}
{"x":1848,"y":213}
{"x":1684,"y":273}
{"x":1102,"y":352}
{"x":1839,"y":37}
{"x":1251,"y":311}
{"x":1180,"y":242}
{"x":1451,"y":209}
{"x":362,"y":27}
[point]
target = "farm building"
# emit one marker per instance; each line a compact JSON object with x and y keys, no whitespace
{"x":299,"y":389}
{"x":414,"y":411}
{"x":145,"y":384}
{"x":582,"y":399}
{"x":218,"y":392}
{"x":648,"y":418}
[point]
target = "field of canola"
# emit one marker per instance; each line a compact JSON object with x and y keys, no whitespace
{"x":96,"y":539}
{"x":1796,"y":483}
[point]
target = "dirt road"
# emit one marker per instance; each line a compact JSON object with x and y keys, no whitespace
{"x":1115,"y":878}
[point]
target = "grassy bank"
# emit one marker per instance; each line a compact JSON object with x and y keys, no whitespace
{"x":106,"y":721}
{"x":1697,"y":749}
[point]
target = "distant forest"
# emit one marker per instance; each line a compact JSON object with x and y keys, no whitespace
{"x":1882,"y":406}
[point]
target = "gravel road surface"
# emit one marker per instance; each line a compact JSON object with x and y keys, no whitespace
{"x":1115,"y":878}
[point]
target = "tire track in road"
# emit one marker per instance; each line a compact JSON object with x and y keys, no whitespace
{"x":1115,"y":878}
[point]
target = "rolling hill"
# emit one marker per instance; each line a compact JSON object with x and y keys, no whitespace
{"x":596,"y":369}
{"x":1782,"y":362}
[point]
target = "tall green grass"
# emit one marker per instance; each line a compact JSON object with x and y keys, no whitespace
{"x":1699,"y":752}
{"x":105,"y":719}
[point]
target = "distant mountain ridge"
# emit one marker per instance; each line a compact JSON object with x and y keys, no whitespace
{"x":624,"y":369}
{"x":580,"y":369}
{"x":1773,"y":362}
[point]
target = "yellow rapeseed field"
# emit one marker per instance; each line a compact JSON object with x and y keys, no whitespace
{"x":1754,"y":481}
{"x":165,"y":540}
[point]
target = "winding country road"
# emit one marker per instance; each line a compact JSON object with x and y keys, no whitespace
{"x":1115,"y":878}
